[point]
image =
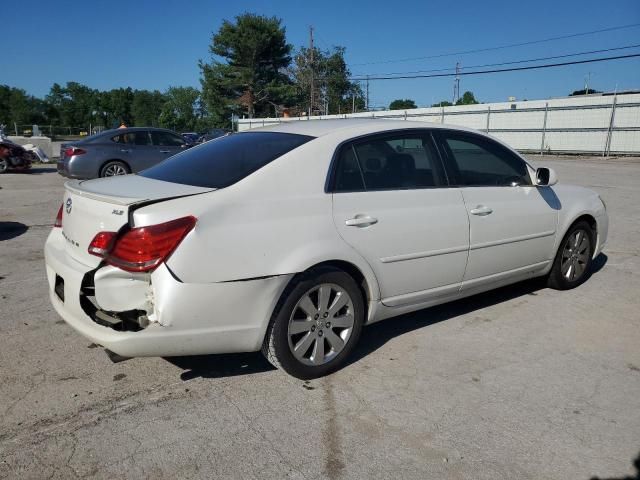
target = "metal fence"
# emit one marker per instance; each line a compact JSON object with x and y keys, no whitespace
{"x":593,"y":124}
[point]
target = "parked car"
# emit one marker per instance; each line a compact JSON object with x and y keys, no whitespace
{"x":288,"y":239}
{"x":191,"y":137}
{"x":213,"y":133}
{"x":118,"y":152}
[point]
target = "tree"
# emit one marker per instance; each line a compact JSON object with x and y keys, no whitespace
{"x":443,"y":103}
{"x":251,"y":74}
{"x":467,"y":99}
{"x":402,"y":104}
{"x":181,"y":108}
{"x":146,"y":108}
{"x":584,"y":92}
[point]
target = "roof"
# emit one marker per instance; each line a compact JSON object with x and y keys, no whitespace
{"x":318,"y":128}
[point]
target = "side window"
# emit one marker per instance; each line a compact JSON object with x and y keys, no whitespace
{"x":348,"y":176}
{"x":166,"y":139}
{"x":142,"y":138}
{"x":399,"y":161}
{"x":478,"y":161}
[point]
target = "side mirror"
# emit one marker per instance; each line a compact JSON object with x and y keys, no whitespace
{"x":545,"y":177}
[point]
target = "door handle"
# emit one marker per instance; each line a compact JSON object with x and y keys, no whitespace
{"x":481,"y":210}
{"x":361,"y":221}
{"x":125,"y":150}
{"x":165,"y":151}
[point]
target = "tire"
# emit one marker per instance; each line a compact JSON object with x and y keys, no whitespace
{"x":572,"y":265}
{"x":114,"y":168}
{"x":4,"y":165}
{"x":316,"y":324}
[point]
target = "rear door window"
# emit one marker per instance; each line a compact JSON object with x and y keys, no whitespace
{"x":225,"y":160}
{"x":167,"y":139}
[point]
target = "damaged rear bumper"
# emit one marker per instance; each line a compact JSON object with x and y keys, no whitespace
{"x":181,"y":318}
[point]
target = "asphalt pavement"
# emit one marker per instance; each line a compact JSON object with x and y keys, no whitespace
{"x":524,"y":382}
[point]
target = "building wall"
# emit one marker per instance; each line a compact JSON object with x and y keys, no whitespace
{"x":593,"y":124}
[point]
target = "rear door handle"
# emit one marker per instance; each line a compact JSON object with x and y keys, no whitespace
{"x":481,"y":210}
{"x":125,"y":150}
{"x":361,"y":221}
{"x":165,"y":151}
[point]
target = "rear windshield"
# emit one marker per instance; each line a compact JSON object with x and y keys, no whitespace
{"x":226,"y":160}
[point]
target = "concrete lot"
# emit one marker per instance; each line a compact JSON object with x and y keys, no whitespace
{"x":524,"y":383}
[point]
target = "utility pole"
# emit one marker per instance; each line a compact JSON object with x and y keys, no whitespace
{"x":311,"y":61}
{"x":587,"y":80}
{"x":367,"y":107}
{"x":456,"y":84}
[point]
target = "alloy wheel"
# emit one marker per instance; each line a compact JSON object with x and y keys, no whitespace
{"x":113,"y":170}
{"x":575,"y":255}
{"x":320,"y":324}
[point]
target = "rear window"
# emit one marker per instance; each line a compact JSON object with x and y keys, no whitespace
{"x":226,"y":160}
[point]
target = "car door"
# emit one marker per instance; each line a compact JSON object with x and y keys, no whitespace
{"x":166,"y":144}
{"x":392,"y":205}
{"x":145,"y":154}
{"x":512,"y":223}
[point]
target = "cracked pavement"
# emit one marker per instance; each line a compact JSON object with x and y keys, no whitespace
{"x":523,"y":382}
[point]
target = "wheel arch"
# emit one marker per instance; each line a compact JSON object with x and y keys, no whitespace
{"x":586,"y":217}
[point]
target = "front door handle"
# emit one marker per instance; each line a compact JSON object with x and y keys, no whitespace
{"x":125,"y":150}
{"x":361,"y":221}
{"x":165,"y":151}
{"x":481,"y":210}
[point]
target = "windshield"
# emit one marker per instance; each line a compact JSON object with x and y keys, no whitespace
{"x":226,"y":160}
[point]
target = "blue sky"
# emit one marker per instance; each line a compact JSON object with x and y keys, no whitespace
{"x":157,"y":44}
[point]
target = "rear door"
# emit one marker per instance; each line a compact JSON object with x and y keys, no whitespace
{"x":166,"y":144}
{"x":512,"y":222}
{"x":391,"y":204}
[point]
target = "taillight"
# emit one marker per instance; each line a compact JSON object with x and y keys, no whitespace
{"x":71,"y":151}
{"x":141,"y":249}
{"x":58,"y":222}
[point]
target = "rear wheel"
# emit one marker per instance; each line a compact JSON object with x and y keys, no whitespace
{"x":114,"y":168}
{"x":316,"y":324}
{"x":4,"y":165}
{"x":572,"y":265}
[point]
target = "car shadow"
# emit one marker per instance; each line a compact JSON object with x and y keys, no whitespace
{"x":41,"y":170}
{"x":373,"y":336}
{"x":9,"y":230}
{"x":636,"y":464}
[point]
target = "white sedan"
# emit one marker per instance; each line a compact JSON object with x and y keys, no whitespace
{"x":289,"y":239}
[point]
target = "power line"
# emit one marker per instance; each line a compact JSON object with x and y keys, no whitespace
{"x":508,"y":63}
{"x":487,"y":49}
{"x":513,"y":69}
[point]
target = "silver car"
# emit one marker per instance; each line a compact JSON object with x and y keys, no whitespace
{"x":118,"y":152}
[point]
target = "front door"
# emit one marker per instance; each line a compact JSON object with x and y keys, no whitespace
{"x":392,"y":205}
{"x":512,"y":223}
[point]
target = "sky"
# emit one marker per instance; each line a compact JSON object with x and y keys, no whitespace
{"x":148,"y":44}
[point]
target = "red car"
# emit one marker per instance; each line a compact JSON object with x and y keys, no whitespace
{"x":14,"y":157}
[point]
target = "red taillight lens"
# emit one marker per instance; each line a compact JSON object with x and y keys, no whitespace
{"x":71,"y":151}
{"x":141,"y":249}
{"x":58,"y":222}
{"x":101,"y":243}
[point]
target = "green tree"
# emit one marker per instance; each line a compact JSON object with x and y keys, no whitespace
{"x":402,"y":104}
{"x":443,"y":103}
{"x":247,"y":70}
{"x":146,"y":108}
{"x":584,"y":92}
{"x":180,"y":111}
{"x":467,"y":99}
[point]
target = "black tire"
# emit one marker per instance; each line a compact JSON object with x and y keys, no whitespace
{"x":4,"y":165}
{"x":574,"y":257}
{"x":278,"y":346}
{"x":114,"y":165}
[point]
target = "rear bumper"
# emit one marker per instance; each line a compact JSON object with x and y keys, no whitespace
{"x":193,"y":319}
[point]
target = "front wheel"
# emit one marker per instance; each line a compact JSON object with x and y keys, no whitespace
{"x":316,"y":324}
{"x":572,"y":265}
{"x":4,"y":165}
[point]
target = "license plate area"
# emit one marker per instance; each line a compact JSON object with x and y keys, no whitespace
{"x":59,"y":287}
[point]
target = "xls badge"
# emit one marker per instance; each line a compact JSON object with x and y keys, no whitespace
{"x":69,"y":205}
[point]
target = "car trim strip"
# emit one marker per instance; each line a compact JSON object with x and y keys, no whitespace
{"x":512,"y":240}
{"x":431,"y":253}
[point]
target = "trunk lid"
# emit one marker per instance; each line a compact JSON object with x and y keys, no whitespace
{"x":103,"y":205}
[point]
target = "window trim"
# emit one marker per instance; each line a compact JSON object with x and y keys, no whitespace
{"x":426,"y":133}
{"x":447,"y":156}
